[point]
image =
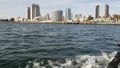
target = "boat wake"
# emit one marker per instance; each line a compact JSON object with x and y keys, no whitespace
{"x":80,"y":61}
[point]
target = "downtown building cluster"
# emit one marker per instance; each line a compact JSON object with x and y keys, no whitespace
{"x":106,"y":18}
{"x":55,"y":16}
{"x":33,"y":14}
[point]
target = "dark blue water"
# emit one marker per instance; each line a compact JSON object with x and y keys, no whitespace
{"x":38,"y":45}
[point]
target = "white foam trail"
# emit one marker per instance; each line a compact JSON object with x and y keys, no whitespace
{"x":36,"y":65}
{"x":80,"y":61}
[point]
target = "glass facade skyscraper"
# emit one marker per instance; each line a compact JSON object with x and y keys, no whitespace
{"x":28,"y":13}
{"x":35,"y":11}
{"x":68,"y":15}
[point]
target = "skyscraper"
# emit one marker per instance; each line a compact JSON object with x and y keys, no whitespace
{"x":68,"y":14}
{"x":57,"y":15}
{"x":106,"y":11}
{"x":48,"y":16}
{"x":80,"y":16}
{"x":97,"y":11}
{"x":76,"y":17}
{"x":35,"y":11}
{"x":28,"y":13}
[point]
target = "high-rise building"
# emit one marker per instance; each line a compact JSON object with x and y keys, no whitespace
{"x":28,"y":13}
{"x":106,"y":11}
{"x":97,"y":11}
{"x":76,"y":17}
{"x":80,"y":16}
{"x":57,"y":15}
{"x":48,"y":16}
{"x":35,"y":11}
{"x":68,"y":14}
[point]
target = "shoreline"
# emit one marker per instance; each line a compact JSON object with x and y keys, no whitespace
{"x":85,"y":23}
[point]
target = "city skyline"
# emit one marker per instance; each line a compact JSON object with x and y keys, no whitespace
{"x":85,"y":7}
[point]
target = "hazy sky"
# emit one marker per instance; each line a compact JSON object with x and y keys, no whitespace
{"x":13,"y":8}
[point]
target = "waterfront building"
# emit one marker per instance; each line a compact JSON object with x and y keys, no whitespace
{"x":97,"y":11}
{"x":48,"y":16}
{"x":106,"y":13}
{"x":72,"y":16}
{"x":80,"y":16}
{"x":68,"y":14}
{"x":57,"y":15}
{"x":35,"y":11}
{"x":38,"y":19}
{"x":76,"y":17}
{"x":19,"y":19}
{"x":28,"y":13}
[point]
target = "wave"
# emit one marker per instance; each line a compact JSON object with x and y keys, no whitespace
{"x":80,"y":61}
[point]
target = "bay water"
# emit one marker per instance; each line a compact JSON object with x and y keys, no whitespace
{"x":25,"y":45}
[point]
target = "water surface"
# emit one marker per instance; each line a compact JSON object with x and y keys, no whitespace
{"x":57,"y":45}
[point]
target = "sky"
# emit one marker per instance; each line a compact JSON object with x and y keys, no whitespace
{"x":15,"y":8}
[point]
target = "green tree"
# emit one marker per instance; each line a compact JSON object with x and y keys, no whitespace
{"x":90,"y":17}
{"x":12,"y":19}
{"x":6,"y":20}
